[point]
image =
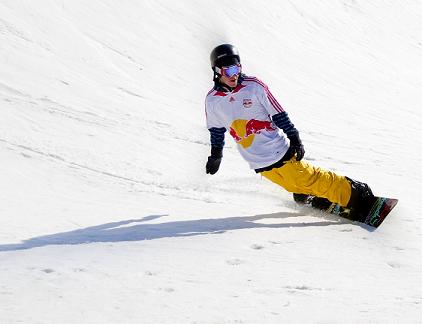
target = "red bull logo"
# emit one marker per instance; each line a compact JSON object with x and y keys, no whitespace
{"x":247,"y":103}
{"x":243,"y":131}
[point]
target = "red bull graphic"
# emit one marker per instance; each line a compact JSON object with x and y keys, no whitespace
{"x":243,"y":131}
{"x":233,"y":133}
{"x":256,"y":126}
{"x":247,"y":103}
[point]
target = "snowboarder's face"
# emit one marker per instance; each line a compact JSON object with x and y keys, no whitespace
{"x":230,"y":75}
{"x":230,"y":81}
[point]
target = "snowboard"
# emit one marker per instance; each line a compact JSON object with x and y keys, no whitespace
{"x":380,"y":209}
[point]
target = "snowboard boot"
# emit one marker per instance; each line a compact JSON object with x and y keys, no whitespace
{"x":316,"y":202}
{"x":321,"y":203}
{"x":361,"y":200}
{"x":302,"y":198}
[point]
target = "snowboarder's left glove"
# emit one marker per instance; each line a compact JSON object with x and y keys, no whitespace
{"x":213,"y":163}
{"x":297,"y":146}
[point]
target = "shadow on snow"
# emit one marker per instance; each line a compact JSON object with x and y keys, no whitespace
{"x":138,"y":230}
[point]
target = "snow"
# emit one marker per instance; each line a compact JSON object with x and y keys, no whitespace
{"x":106,"y":212}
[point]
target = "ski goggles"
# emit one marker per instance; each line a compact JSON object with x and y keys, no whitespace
{"x":229,"y":71}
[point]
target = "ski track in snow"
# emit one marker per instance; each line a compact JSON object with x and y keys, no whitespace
{"x":106,"y":212}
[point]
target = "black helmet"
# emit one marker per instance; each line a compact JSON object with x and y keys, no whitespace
{"x":224,"y":55}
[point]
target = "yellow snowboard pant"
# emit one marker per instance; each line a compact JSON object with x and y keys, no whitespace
{"x":301,"y":177}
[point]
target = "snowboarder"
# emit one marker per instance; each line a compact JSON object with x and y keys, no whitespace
{"x":244,"y":106}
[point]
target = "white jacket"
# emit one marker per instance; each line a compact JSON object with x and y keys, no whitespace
{"x":246,"y":113}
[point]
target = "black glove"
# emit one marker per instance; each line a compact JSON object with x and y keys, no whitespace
{"x":297,"y":146}
{"x":214,"y":160}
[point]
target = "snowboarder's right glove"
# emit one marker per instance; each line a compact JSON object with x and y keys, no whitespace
{"x":214,"y":160}
{"x":296,"y":145}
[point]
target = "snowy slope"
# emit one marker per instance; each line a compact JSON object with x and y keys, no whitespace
{"x":106,"y":213}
